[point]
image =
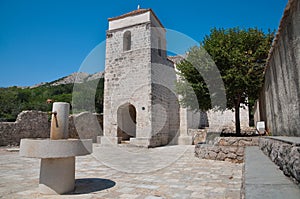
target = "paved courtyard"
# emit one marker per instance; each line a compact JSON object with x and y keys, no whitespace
{"x":128,"y":172}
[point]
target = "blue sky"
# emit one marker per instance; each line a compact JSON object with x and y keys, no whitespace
{"x":43,"y":40}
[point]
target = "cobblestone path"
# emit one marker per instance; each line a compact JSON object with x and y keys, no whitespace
{"x":128,"y":172}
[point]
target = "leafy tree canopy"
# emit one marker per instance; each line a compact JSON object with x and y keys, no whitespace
{"x":240,"y":56}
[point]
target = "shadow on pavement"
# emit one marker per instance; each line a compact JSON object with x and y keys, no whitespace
{"x":89,"y":185}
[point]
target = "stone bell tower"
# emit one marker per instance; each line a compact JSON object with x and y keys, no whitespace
{"x":140,"y":105}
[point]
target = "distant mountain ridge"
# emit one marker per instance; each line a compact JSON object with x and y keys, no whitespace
{"x":77,"y":77}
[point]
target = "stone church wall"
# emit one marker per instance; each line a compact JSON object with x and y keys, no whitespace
{"x":279,"y":103}
{"x":165,"y":105}
{"x":126,"y":74}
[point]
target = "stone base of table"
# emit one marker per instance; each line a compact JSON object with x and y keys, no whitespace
{"x":57,"y":172}
{"x":57,"y":175}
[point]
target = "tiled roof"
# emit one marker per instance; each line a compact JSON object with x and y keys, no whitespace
{"x":136,"y":12}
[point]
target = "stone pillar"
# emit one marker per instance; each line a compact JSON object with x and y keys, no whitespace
{"x":57,"y":175}
{"x":60,"y":121}
{"x":184,"y":138}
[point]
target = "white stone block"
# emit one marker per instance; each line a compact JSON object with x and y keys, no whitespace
{"x":57,"y":175}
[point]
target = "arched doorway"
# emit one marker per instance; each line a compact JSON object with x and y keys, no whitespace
{"x":126,"y":121}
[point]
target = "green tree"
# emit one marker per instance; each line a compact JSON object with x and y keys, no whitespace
{"x":13,"y":100}
{"x":240,"y":56}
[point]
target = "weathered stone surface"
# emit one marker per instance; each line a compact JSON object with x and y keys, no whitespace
{"x":29,"y":124}
{"x":279,"y":99}
{"x":245,"y":130}
{"x":220,"y":121}
{"x":62,"y":148}
{"x":226,"y":148}
{"x":186,"y":177}
{"x":198,"y":135}
{"x":141,"y":77}
{"x":285,"y":155}
{"x":36,"y":124}
{"x":223,"y":153}
{"x":85,"y":126}
{"x":236,"y":141}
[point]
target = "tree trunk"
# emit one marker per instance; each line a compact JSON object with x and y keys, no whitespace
{"x":237,"y":120}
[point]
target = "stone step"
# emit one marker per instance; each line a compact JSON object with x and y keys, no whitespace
{"x":263,"y":179}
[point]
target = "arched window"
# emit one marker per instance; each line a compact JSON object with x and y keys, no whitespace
{"x":127,"y":41}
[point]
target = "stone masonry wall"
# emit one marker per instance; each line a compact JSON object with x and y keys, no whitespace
{"x":165,"y":105}
{"x":285,"y":155}
{"x":127,"y":77}
{"x":29,"y":124}
{"x":279,"y":99}
{"x":36,"y":124}
{"x":226,"y":148}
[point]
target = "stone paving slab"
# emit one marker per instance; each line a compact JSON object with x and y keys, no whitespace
{"x":184,"y":177}
{"x":263,"y":179}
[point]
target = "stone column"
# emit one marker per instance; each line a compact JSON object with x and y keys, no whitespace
{"x":57,"y":175}
{"x":60,"y":121}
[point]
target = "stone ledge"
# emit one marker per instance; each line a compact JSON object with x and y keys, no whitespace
{"x":290,"y":140}
{"x":283,"y":152}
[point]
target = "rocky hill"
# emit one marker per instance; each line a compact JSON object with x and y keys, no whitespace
{"x":77,"y":77}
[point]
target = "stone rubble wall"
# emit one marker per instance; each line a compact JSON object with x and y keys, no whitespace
{"x":226,"y":148}
{"x":29,"y":124}
{"x":285,"y":155}
{"x":36,"y":124}
{"x":204,"y":136}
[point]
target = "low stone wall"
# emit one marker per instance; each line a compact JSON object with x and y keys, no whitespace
{"x":29,"y":124}
{"x":285,"y":155}
{"x":36,"y":124}
{"x":237,"y":141}
{"x":226,"y":148}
